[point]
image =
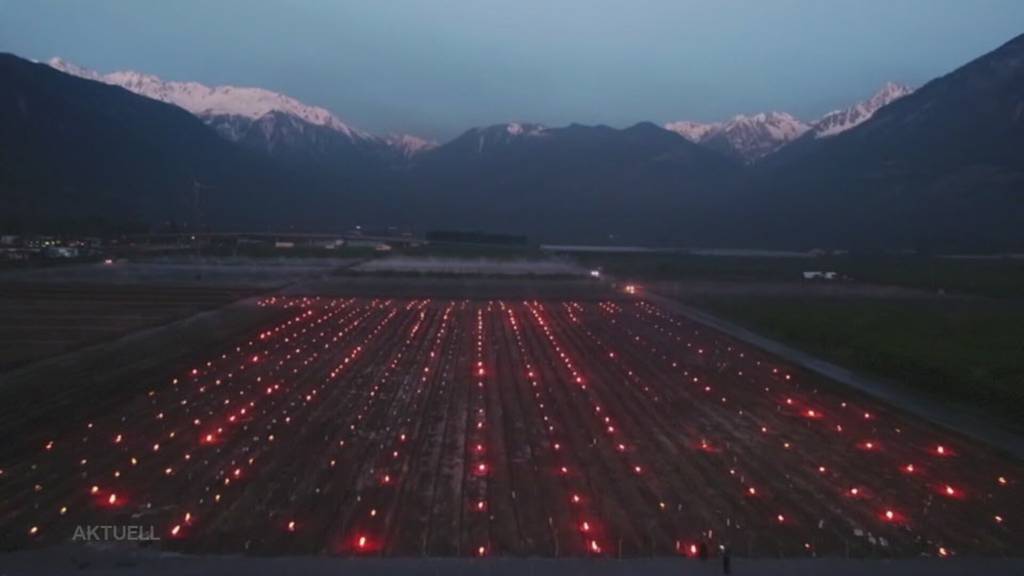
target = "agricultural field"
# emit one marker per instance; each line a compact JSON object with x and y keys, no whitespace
{"x":51,"y":310}
{"x":41,"y":320}
{"x":361,"y":426}
{"x":967,"y":352}
{"x":993,"y":277}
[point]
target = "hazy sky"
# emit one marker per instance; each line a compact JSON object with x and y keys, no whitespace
{"x":437,"y":67}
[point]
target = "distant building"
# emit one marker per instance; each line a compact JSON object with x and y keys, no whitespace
{"x":821,"y":275}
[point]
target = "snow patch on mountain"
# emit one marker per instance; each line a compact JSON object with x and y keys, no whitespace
{"x":498,"y":134}
{"x":839,"y":121}
{"x":409,"y":145}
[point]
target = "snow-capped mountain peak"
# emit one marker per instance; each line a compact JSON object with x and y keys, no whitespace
{"x":748,"y":137}
{"x":234,"y":111}
{"x":205,"y":101}
{"x":839,"y":121}
{"x":778,"y":126}
{"x":693,"y":131}
{"x":752,"y":137}
{"x":409,"y":145}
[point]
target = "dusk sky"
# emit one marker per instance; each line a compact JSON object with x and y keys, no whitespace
{"x":435,"y":68}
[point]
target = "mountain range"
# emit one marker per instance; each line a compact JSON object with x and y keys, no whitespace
{"x":939,"y":167}
{"x":281,"y":124}
{"x":750,"y":138}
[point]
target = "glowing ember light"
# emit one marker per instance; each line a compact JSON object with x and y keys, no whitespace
{"x":890,"y":515}
{"x":480,"y":506}
{"x":481,"y":551}
{"x":638,"y":469}
{"x":998,"y":518}
{"x":752,"y":491}
{"x":854,"y":491}
{"x":594,"y":547}
{"x":821,"y":469}
{"x":940,"y":450}
{"x":291,"y":525}
{"x":943,"y":552}
{"x":94,"y":489}
{"x":63,"y":510}
{"x":176,"y":530}
{"x":1001,"y":480}
{"x":113,"y":499}
{"x":33,"y":531}
{"x":575,"y":498}
{"x":909,"y":468}
{"x":950,"y":491}
{"x":780,"y":518}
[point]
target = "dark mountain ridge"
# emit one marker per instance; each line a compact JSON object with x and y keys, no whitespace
{"x":939,"y":169}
